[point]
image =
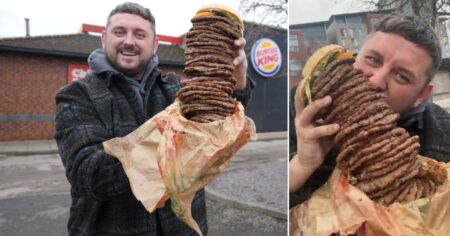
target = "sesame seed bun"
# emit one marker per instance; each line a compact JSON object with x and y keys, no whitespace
{"x":223,"y":10}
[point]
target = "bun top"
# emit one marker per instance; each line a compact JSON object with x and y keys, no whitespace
{"x":317,"y":57}
{"x":318,"y":61}
{"x":222,"y":10}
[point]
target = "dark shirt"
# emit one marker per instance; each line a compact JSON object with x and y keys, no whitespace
{"x":100,"y":107}
{"x":429,"y":121}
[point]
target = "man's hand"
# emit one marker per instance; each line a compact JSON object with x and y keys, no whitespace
{"x":313,"y":142}
{"x":240,"y":63}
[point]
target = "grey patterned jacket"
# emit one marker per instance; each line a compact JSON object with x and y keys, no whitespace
{"x":102,"y":106}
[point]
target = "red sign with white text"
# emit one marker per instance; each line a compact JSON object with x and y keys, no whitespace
{"x":76,"y":72}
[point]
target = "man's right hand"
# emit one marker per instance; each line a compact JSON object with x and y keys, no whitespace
{"x":313,"y":142}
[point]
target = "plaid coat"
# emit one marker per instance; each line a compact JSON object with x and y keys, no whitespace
{"x":430,"y":122}
{"x":96,"y":109}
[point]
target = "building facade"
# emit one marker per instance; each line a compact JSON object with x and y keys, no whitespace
{"x":297,"y":55}
{"x":308,"y":37}
{"x":350,"y":31}
{"x":35,"y":68}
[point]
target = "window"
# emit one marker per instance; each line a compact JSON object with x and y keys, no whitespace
{"x":314,"y":34}
{"x":352,"y":33}
{"x":343,"y":32}
{"x":359,"y":33}
{"x":354,"y":20}
{"x":295,"y":67}
{"x":293,"y":43}
{"x":340,"y":20}
{"x":355,"y":42}
{"x":344,"y":42}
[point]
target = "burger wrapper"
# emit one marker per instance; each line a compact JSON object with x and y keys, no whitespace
{"x":171,"y":157}
{"x":340,"y":207}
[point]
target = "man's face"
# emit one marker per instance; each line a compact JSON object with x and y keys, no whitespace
{"x":129,"y":43}
{"x":398,"y":67}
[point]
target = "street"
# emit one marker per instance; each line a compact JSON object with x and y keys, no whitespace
{"x":35,"y":200}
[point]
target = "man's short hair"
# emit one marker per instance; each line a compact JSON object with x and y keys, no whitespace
{"x":413,"y":29}
{"x":135,"y":9}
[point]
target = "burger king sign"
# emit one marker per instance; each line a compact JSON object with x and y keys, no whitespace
{"x":266,"y":57}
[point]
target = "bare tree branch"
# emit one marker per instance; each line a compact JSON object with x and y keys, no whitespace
{"x":388,"y":4}
{"x":268,"y":12}
{"x":430,"y":10}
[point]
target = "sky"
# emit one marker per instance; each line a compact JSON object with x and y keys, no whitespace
{"x":306,"y":11}
{"x":53,"y":17}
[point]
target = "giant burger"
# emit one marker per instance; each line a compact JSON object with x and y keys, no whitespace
{"x":380,"y":158}
{"x":206,"y":92}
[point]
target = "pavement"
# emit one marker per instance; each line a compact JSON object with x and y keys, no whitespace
{"x":248,"y":198}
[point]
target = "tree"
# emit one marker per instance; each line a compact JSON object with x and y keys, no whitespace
{"x":264,"y":17}
{"x":433,"y":11}
{"x":266,"y":12}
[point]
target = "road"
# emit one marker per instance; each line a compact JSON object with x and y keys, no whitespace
{"x":35,"y":200}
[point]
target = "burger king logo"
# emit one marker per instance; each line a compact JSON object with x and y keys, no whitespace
{"x":266,"y":57}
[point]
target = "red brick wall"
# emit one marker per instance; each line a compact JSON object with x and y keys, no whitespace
{"x":28,"y":86}
{"x":300,"y":55}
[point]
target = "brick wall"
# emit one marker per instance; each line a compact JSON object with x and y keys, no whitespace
{"x":28,"y":86}
{"x":300,"y":55}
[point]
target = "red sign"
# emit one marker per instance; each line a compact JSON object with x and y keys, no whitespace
{"x":76,"y":72}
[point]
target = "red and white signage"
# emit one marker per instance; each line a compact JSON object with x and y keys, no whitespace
{"x":76,"y":72}
{"x":266,"y":57}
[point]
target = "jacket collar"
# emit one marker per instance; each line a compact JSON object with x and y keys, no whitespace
{"x":99,"y":64}
{"x":413,"y":118}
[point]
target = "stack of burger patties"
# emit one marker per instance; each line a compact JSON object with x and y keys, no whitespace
{"x":381,"y":159}
{"x":206,"y":92}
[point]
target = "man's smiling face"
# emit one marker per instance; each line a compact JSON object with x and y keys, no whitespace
{"x":129,"y":43}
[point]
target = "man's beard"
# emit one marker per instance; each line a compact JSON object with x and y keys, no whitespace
{"x":129,"y":72}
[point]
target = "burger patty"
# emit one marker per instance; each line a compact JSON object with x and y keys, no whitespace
{"x":195,"y":96}
{"x":230,"y":80}
{"x":196,"y":35}
{"x":206,"y":71}
{"x":213,"y":19}
{"x":219,"y":29}
{"x":381,"y":159}
{"x":200,"y":44}
{"x":205,"y":95}
{"x":231,"y":30}
{"x":209,"y":58}
{"x":210,"y":65}
{"x":209,"y":50}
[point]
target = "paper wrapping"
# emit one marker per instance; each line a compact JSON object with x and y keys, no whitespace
{"x":340,"y":207}
{"x":171,"y":157}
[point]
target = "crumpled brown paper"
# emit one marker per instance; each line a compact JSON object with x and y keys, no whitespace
{"x":172,"y":157}
{"x":340,"y":207}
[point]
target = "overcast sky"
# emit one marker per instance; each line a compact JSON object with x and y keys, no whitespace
{"x":51,"y":17}
{"x":306,"y":11}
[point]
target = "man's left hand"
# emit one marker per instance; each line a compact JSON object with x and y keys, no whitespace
{"x":240,"y":63}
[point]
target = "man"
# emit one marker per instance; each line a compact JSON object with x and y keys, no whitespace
{"x":124,"y":89}
{"x":400,"y":57}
